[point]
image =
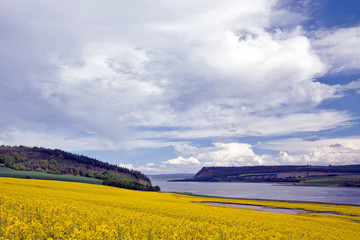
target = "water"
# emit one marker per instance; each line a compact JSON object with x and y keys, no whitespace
{"x":264,"y":191}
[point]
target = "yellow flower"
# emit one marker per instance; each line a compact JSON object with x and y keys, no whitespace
{"x":39,"y":209}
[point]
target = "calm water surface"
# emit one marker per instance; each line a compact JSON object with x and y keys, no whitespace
{"x":264,"y":191}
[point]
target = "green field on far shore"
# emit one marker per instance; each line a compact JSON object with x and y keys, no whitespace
{"x":332,"y":181}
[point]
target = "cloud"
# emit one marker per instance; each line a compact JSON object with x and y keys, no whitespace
{"x":186,"y":149}
{"x":64,"y":141}
{"x":87,"y":141}
{"x":230,"y":154}
{"x":128,"y":166}
{"x":350,"y":86}
{"x":294,"y":151}
{"x":335,"y":145}
{"x":175,"y":165}
{"x":297,"y":145}
{"x":182,"y":161}
{"x":126,"y":75}
{"x":338,"y":48}
{"x":336,"y":151}
{"x":220,"y":154}
{"x":335,"y":155}
{"x":311,"y":138}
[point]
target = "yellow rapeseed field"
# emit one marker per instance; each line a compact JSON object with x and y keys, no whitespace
{"x":39,"y":209}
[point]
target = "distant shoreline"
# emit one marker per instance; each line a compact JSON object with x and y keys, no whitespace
{"x":280,"y":183}
{"x":299,"y":175}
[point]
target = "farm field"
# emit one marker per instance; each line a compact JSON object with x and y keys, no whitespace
{"x":7,"y":172}
{"x":42,"y":209}
{"x":343,"y":181}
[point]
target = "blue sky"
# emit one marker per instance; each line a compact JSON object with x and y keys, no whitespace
{"x":172,"y":86}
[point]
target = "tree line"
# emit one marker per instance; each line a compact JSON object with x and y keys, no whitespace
{"x":56,"y":161}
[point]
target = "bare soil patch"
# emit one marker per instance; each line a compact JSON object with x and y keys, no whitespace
{"x":264,"y":209}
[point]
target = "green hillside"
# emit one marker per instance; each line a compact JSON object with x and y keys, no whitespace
{"x":55,"y":164}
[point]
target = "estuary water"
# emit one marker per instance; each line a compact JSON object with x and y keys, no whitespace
{"x":264,"y":191}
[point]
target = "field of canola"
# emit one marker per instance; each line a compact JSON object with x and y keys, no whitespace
{"x":41,"y":209}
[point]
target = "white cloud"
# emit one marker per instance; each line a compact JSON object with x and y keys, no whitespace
{"x":230,"y":154}
{"x":186,"y":149}
{"x":59,"y":141}
{"x":322,"y":156}
{"x":256,"y":124}
{"x":298,"y":145}
{"x":126,"y":165}
{"x":175,"y":165}
{"x":133,"y":74}
{"x":182,"y":161}
{"x":339,"y":48}
{"x":220,"y":154}
{"x":72,"y":142}
{"x":354,"y":85}
{"x":188,"y":62}
{"x":337,"y":151}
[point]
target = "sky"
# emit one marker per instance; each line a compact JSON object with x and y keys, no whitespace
{"x":173,"y":86}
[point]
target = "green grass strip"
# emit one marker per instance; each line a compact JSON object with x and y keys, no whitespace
{"x":7,"y":172}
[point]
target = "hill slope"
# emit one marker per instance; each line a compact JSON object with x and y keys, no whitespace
{"x":11,"y":173}
{"x":64,"y":163}
{"x":281,"y":174}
